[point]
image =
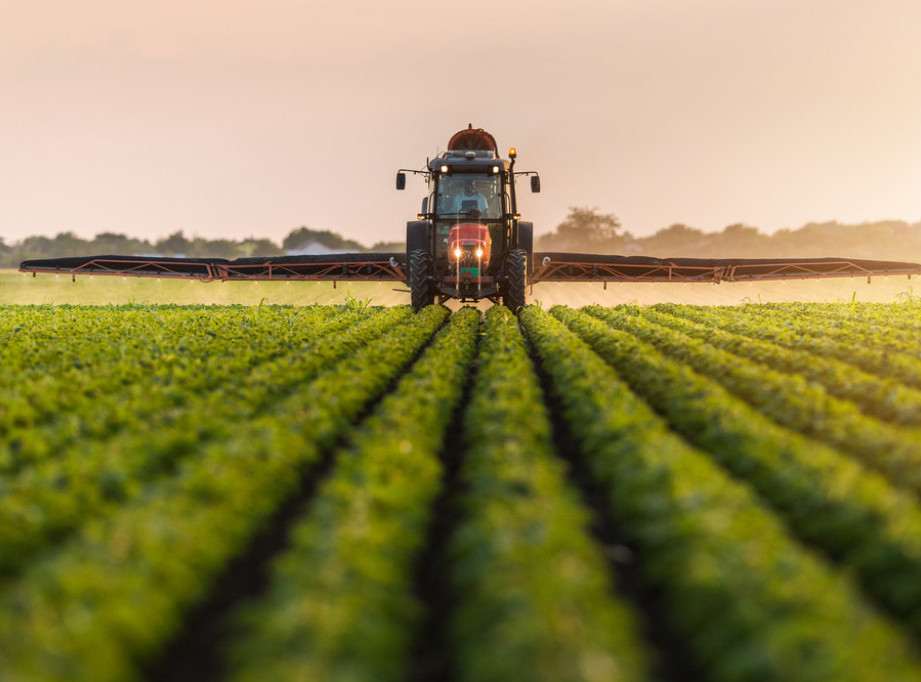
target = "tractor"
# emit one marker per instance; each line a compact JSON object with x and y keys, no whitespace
{"x":469,"y":242}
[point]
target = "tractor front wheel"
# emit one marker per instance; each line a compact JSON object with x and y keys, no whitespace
{"x":420,"y":280}
{"x":516,"y":280}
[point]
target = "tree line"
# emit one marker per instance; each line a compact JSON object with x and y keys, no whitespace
{"x":176,"y":245}
{"x":585,"y":230}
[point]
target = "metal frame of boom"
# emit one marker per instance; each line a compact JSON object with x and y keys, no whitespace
{"x":371,"y":270}
{"x":575,"y":271}
{"x":546,"y":270}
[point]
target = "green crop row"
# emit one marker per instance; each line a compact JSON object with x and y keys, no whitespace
{"x":750,"y":602}
{"x":869,"y":354}
{"x":43,"y":503}
{"x":43,"y":340}
{"x":886,"y":399}
{"x":883,"y":323}
{"x":340,"y":605}
{"x":184,"y":357}
{"x":861,"y":319}
{"x":788,"y":400}
{"x":110,"y":599}
{"x":831,"y":501}
{"x":533,"y":593}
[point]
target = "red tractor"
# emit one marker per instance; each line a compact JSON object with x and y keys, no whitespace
{"x":469,"y":242}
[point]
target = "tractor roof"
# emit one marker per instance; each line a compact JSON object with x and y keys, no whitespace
{"x":469,"y":161}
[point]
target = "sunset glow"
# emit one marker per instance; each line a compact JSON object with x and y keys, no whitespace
{"x":252,"y":118}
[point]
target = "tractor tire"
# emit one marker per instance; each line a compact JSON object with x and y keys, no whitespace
{"x":516,"y":268}
{"x":420,"y":284}
{"x":526,"y":242}
{"x":417,"y":236}
{"x":417,"y":239}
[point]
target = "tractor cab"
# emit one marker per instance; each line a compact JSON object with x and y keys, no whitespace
{"x":467,"y":199}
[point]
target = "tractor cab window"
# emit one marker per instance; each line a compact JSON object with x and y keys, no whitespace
{"x":469,"y":196}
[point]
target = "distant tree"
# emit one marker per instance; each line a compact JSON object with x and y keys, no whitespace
{"x":388,"y":247}
{"x":111,"y":243}
{"x":254,"y":248}
{"x":68,"y":244}
{"x":675,"y":240}
{"x":679,"y":232}
{"x":35,"y":247}
{"x":738,"y":240}
{"x":175,"y":244}
{"x":586,"y":229}
{"x":332,"y":240}
{"x":815,"y":240}
{"x":62,"y":244}
{"x":589,"y":225}
{"x":216,"y":248}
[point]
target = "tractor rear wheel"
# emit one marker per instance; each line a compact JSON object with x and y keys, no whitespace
{"x":516,"y":268}
{"x":420,"y":284}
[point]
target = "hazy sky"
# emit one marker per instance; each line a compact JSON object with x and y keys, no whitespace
{"x":250,"y":118}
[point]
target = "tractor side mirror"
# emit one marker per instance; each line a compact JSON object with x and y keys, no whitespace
{"x":535,"y":183}
{"x":401,"y":180}
{"x":425,"y":204}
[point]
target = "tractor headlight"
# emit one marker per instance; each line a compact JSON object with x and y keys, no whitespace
{"x":479,"y":252}
{"x":457,"y":252}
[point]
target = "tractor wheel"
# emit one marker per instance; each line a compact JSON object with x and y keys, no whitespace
{"x":516,"y":268}
{"x":420,"y":285}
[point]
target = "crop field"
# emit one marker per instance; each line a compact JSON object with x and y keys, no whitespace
{"x":353,"y":492}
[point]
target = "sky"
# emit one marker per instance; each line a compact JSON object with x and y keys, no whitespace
{"x":250,"y":118}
